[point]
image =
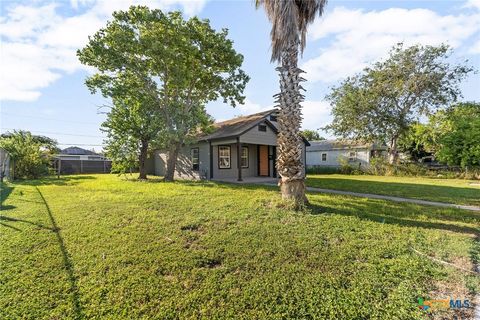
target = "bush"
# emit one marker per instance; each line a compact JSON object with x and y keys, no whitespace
{"x":380,"y":167}
{"x":29,"y":153}
{"x":323,"y":170}
{"x":347,"y":167}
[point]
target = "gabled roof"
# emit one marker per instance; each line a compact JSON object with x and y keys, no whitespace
{"x":77,"y":151}
{"x":238,"y":126}
{"x":328,"y":145}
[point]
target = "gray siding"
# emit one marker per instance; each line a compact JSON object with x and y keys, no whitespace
{"x":251,"y":171}
{"x":314,"y":158}
{"x":255,"y":136}
{"x":183,"y":167}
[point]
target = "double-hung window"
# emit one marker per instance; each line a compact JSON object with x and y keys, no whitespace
{"x":352,"y":156}
{"x":224,"y":158}
{"x":195,"y":155}
{"x":324,"y":157}
{"x":244,"y":157}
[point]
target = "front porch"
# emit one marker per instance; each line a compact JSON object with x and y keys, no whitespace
{"x":249,"y":180}
{"x":239,"y":162}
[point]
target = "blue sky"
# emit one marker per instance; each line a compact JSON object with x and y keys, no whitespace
{"x":42,"y":83}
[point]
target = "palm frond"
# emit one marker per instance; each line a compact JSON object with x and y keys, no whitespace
{"x":290,"y":19}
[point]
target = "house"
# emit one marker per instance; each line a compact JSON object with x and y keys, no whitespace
{"x":239,"y":148}
{"x":73,"y":160}
{"x":329,"y":153}
{"x":76,"y":153}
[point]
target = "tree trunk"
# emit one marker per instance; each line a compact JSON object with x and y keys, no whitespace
{"x":171,"y":162}
{"x":142,"y":159}
{"x":290,"y":166}
{"x":393,"y":152}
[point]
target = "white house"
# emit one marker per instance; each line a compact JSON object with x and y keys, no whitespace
{"x":328,"y":153}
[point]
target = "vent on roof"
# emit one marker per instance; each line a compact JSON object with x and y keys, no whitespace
{"x":273,"y":117}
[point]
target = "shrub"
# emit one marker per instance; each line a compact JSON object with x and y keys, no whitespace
{"x":28,"y":152}
{"x":323,"y":170}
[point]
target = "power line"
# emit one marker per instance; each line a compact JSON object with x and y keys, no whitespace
{"x":58,"y":133}
{"x":45,"y":118}
{"x":81,"y":144}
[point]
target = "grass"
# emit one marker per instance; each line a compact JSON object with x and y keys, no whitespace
{"x":443,"y":190}
{"x":91,"y":247}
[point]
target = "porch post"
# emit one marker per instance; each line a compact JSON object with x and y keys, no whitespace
{"x":239,"y":159}
{"x":211,"y":159}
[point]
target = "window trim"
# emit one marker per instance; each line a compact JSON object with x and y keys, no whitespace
{"x":324,"y":154}
{"x":229,"y":157}
{"x":350,"y":158}
{"x":241,"y":156}
{"x":198,"y":158}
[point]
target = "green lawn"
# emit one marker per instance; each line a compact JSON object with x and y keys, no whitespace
{"x":102,"y":247}
{"x":443,"y":190}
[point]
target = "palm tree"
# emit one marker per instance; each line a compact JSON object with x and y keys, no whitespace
{"x":290,"y":19}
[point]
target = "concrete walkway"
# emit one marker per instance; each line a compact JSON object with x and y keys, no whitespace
{"x":396,"y":199}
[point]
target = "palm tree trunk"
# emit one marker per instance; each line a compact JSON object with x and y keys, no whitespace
{"x":289,"y":163}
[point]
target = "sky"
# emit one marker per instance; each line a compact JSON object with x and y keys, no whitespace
{"x":42,"y":82}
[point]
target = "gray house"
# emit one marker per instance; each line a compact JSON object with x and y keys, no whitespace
{"x":329,"y":153}
{"x":238,"y":148}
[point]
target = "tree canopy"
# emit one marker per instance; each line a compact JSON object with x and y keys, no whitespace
{"x":312,"y":135}
{"x":173,"y":66}
{"x":383,"y":102}
{"x":457,"y":132}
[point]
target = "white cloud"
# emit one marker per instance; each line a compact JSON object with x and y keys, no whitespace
{"x":316,"y":114}
{"x":358,"y":37}
{"x":475,"y":48}
{"x":39,"y":44}
{"x":250,"y":107}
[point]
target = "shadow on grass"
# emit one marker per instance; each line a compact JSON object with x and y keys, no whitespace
{"x":408,"y":190}
{"x":382,"y":211}
{"x":67,"y":261}
{"x":62,"y":181}
{"x":5,"y":191}
{"x":9,"y":219}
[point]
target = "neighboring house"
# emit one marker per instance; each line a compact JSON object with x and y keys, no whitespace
{"x":238,"y":148}
{"x":6,"y":165}
{"x":76,"y":153}
{"x":329,"y":153}
{"x":73,"y":160}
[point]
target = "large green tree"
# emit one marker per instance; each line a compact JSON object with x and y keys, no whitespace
{"x":382,"y":103}
{"x":180,"y":66}
{"x":457,"y":132}
{"x":30,"y":153}
{"x":288,"y":35}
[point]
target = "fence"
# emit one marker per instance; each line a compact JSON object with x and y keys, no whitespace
{"x":82,"y":166}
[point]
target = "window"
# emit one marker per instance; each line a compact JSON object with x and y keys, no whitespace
{"x":224,"y":157}
{"x":273,"y":118}
{"x":194,"y":153}
{"x":324,"y":157}
{"x":244,"y":157}
{"x":262,"y":127}
{"x":352,"y":156}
